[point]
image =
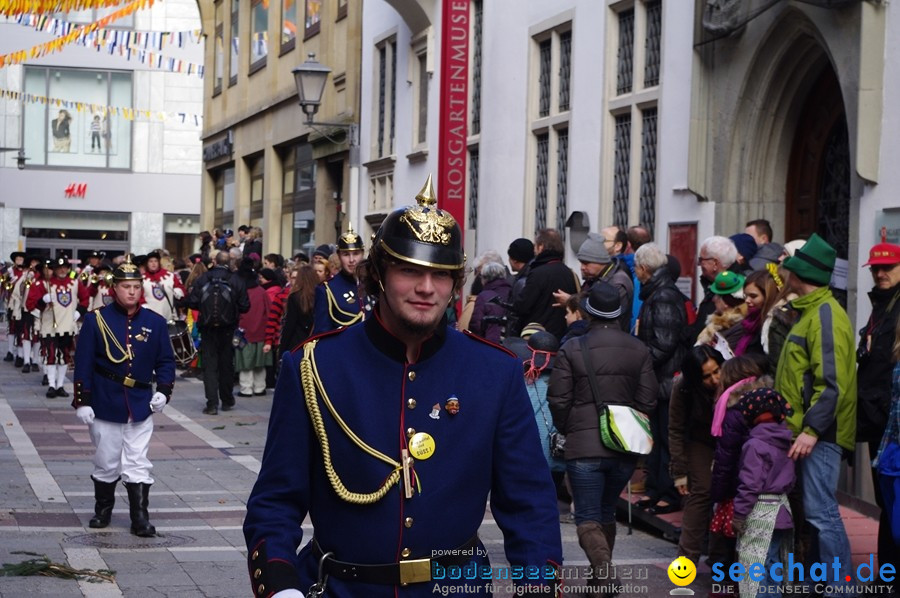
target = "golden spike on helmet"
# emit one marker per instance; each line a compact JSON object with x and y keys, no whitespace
{"x":426,"y":196}
{"x":127,"y":271}
{"x":350,"y":241}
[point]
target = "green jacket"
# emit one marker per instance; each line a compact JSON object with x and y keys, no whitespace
{"x":817,"y":370}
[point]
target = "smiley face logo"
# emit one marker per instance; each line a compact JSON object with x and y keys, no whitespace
{"x":682,"y":571}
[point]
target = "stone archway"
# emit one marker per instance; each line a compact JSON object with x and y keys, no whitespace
{"x":785,"y":69}
{"x":818,"y":182}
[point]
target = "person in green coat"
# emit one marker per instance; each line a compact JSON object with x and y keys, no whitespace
{"x":817,"y":375}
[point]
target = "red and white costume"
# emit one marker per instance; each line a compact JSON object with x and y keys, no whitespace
{"x":101,"y":295}
{"x":161,"y":289}
{"x":68,"y":299}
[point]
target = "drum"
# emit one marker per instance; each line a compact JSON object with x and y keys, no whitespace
{"x":182,"y":343}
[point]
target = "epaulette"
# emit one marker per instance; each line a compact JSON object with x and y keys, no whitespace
{"x":489,"y":343}
{"x":318,"y":336}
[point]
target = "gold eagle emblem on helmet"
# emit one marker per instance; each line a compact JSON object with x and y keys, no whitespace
{"x":429,"y":225}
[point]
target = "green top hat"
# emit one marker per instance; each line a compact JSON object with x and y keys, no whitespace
{"x":813,"y":262}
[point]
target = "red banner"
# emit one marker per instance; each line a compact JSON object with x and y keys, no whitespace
{"x":454,"y":77}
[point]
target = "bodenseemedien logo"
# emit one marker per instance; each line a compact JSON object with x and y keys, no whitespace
{"x":682,"y":572}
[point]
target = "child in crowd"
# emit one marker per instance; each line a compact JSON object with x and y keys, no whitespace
{"x":739,"y":375}
{"x":575,"y":321}
{"x":762,"y":516}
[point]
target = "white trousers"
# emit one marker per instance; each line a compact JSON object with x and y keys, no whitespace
{"x":11,"y":343}
{"x":252,"y":380}
{"x":56,"y":375}
{"x":26,"y":352}
{"x":122,"y":450}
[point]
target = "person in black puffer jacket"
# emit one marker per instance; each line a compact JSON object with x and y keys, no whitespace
{"x":547,"y":274}
{"x":660,"y":326}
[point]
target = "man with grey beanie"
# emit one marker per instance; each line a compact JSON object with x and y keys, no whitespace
{"x":597,"y":264}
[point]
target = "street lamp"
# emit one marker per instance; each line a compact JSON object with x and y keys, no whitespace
{"x":20,"y":157}
{"x":310,"y":78}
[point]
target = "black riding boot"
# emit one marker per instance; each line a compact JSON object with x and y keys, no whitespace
{"x":137,"y":505}
{"x":105,"y":499}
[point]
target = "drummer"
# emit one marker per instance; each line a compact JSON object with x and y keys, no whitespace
{"x":161,"y":287}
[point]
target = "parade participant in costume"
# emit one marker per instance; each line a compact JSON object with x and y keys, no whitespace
{"x":21,"y":323}
{"x":93,"y":262}
{"x":122,"y":348}
{"x":10,"y":279}
{"x":161,"y":288}
{"x":62,"y":300}
{"x":394,"y":464}
{"x":339,"y":301}
{"x":100,"y":282}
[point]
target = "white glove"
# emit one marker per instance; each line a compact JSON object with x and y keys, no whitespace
{"x":158,"y":402}
{"x":46,"y":298}
{"x":178,"y":293}
{"x":76,"y":315}
{"x":292,"y":593}
{"x":85,"y":414}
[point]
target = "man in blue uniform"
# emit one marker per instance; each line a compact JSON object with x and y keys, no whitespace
{"x":121,"y":348}
{"x":338,"y":301}
{"x":394,"y":464}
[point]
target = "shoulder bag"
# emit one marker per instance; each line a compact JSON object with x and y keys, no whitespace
{"x":623,"y":429}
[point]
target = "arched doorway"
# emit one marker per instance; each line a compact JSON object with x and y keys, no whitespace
{"x":818,"y":181}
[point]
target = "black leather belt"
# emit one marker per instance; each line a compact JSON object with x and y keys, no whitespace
{"x":123,"y":380}
{"x":403,"y":573}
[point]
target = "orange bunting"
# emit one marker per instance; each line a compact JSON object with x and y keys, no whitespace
{"x":17,"y":7}
{"x":58,"y":44}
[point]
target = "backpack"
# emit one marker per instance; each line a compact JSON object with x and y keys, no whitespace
{"x":217,"y":308}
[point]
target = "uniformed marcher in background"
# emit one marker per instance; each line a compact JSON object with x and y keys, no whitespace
{"x":162,"y":288}
{"x":21,"y":322}
{"x":394,"y":459}
{"x":62,"y":300}
{"x":100,"y":281}
{"x":122,"y":348}
{"x":10,"y":279}
{"x":339,"y":301}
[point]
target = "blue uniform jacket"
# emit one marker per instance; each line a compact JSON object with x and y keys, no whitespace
{"x":148,"y":336}
{"x":491,"y":446}
{"x":345,"y":298}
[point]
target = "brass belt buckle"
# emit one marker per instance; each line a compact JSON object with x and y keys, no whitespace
{"x":415,"y":571}
{"x":129,"y":381}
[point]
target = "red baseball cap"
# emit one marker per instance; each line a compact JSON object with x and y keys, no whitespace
{"x":883,"y":254}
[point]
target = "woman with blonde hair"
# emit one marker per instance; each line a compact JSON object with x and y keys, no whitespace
{"x":253,"y":242}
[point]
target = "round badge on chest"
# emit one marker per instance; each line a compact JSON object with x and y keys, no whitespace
{"x":421,"y":446}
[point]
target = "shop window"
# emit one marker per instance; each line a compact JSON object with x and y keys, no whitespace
{"x":224,"y":198}
{"x":298,"y":204}
{"x":84,"y":125}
